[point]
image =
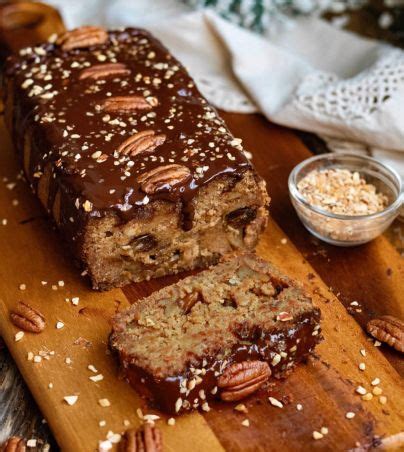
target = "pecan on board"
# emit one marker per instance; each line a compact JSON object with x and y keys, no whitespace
{"x":388,"y":329}
{"x":240,"y":380}
{"x":27,"y":318}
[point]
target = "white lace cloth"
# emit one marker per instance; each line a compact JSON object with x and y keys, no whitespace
{"x":304,"y":74}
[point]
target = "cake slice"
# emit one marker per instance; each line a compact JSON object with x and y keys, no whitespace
{"x":220,"y":334}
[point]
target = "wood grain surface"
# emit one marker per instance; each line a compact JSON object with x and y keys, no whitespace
{"x":325,"y":386}
{"x":372,"y":274}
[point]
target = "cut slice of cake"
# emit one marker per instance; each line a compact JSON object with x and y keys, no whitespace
{"x":220,"y":334}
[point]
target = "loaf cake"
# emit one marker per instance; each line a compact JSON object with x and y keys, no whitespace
{"x":139,"y":172}
{"x":219,"y":334}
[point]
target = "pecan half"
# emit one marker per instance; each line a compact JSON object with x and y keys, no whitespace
{"x":388,"y":329}
{"x":27,"y":318}
{"x":141,"y":143}
{"x":104,"y":70}
{"x":14,"y":444}
{"x":239,"y":380}
{"x":146,"y":439}
{"x":163,"y":178}
{"x":125,"y":104}
{"x":82,"y":37}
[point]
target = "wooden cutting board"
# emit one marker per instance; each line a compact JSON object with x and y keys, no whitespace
{"x":31,"y":253}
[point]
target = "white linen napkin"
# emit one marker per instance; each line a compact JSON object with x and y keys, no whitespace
{"x":310,"y":77}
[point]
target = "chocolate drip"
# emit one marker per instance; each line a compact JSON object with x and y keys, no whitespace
{"x":80,"y":139}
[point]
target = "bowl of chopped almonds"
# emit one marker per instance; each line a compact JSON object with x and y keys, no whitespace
{"x":345,"y":199}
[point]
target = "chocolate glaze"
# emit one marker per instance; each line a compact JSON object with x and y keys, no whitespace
{"x":303,"y":333}
{"x":63,"y":114}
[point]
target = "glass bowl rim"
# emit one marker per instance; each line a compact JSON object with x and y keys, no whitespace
{"x":295,"y":193}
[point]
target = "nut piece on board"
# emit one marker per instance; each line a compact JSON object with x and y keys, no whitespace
{"x":239,"y":380}
{"x":388,"y":329}
{"x":27,"y":318}
{"x":146,"y":439}
{"x":14,"y":444}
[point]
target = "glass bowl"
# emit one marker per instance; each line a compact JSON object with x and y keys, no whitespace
{"x":346,"y":230}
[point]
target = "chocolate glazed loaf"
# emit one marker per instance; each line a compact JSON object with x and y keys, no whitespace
{"x":141,"y":175}
{"x":220,"y":334}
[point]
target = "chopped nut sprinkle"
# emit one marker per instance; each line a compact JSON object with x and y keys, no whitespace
{"x":31,"y":442}
{"x":171,"y":421}
{"x":350,"y":415}
{"x":246,"y":423}
{"x":361,"y":390}
{"x":96,"y":378}
{"x":71,"y":400}
{"x":275,"y":402}
{"x":104,"y":403}
{"x":377,"y":390}
{"x":341,"y":191}
{"x":383,"y":400}
{"x":18,"y":336}
{"x":241,"y":407}
{"x":317,"y":435}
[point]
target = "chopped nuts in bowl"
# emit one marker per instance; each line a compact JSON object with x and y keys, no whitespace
{"x":345,"y":199}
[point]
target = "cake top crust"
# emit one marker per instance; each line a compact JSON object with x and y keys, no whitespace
{"x":121,"y":120}
{"x":242,"y":300}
